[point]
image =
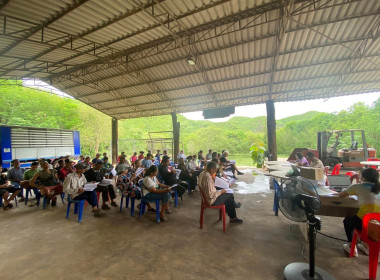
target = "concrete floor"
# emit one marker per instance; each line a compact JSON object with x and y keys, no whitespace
{"x":43,"y":244}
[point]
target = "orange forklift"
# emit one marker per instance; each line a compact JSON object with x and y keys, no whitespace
{"x":332,"y":148}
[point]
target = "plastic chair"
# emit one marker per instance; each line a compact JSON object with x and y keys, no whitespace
{"x":143,"y":205}
{"x":205,"y":204}
{"x":79,"y":205}
{"x":336,"y":169}
{"x":127,"y":203}
{"x":276,"y":198}
{"x":353,"y":175}
{"x":374,"y":246}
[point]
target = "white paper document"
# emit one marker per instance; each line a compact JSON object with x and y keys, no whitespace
{"x":113,"y":171}
{"x":106,"y":182}
{"x":229,"y":191}
{"x":177,"y":172}
{"x":90,"y":187}
{"x":221,"y":183}
{"x":173,"y":186}
{"x":228,"y":173}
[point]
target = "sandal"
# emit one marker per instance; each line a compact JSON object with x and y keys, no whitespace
{"x":164,"y":219}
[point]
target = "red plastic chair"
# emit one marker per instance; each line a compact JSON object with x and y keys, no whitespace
{"x":336,"y":169}
{"x":373,"y":159}
{"x":205,"y":204}
{"x":353,"y":175}
{"x":374,"y":247}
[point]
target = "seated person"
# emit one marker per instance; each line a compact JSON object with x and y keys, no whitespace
{"x":66,"y":170}
{"x":209,"y":156}
{"x":181,"y":155}
{"x":314,"y":161}
{"x":122,"y":165}
{"x":87,"y":162}
{"x":125,"y":183}
{"x":169,"y":176}
{"x":96,"y":174}
{"x":147,"y":162}
{"x":369,"y":201}
{"x":141,"y":155}
{"x":15,"y":176}
{"x":5,"y":189}
{"x":61,"y":164}
{"x":217,"y":197}
{"x":48,"y":183}
{"x":81,"y":159}
{"x":186,"y":175}
{"x":229,"y":165}
{"x":73,"y":186}
{"x":152,"y":192}
{"x":133,"y":158}
{"x":158,"y":155}
{"x":104,"y":156}
{"x":107,"y":167}
{"x":28,"y":175}
{"x":201,"y":158}
{"x":301,"y":160}
{"x":96,"y":159}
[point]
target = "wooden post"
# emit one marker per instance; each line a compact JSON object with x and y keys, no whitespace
{"x":115,"y":136}
{"x":271,"y":129}
{"x":176,"y":129}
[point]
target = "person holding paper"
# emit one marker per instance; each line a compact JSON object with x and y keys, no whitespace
{"x":186,"y":175}
{"x":229,"y":164}
{"x":96,"y":174}
{"x":218,"y":197}
{"x":48,"y":183}
{"x":169,"y":176}
{"x":74,"y":186}
{"x":369,"y":201}
{"x":152,"y":192}
{"x":5,"y":189}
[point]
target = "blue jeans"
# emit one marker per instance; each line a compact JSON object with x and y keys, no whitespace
{"x":164,"y":197}
{"x":90,"y":196}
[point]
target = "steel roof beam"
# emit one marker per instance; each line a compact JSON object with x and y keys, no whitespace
{"x":97,"y":68}
{"x":135,"y":33}
{"x":218,"y":67}
{"x":231,"y":90}
{"x":85,"y":33}
{"x":40,"y":27}
{"x":233,"y":101}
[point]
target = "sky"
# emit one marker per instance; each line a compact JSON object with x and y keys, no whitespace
{"x":286,"y":109}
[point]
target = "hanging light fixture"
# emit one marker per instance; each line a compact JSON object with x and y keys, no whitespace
{"x":190,"y":61}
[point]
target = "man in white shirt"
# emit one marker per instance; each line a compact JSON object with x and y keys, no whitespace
{"x":74,"y":186}
{"x":181,"y":155}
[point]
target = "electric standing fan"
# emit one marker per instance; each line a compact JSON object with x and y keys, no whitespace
{"x":298,"y":202}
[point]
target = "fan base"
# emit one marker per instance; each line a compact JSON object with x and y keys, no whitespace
{"x":300,"y":271}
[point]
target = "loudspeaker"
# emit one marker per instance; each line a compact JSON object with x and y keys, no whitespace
{"x":218,"y":112}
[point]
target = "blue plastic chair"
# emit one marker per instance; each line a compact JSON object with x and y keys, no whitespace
{"x":276,"y":196}
{"x":127,"y":203}
{"x":143,"y":206}
{"x":79,"y":205}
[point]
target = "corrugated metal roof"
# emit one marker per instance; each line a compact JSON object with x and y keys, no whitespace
{"x":127,"y":58}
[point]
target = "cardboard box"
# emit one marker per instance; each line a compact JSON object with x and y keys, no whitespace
{"x":312,"y":173}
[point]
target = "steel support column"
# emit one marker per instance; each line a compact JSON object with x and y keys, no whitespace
{"x":176,"y":129}
{"x":271,"y":129}
{"x":115,"y":136}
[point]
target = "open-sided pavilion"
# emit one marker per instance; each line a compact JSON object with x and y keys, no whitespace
{"x":130,"y":58}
